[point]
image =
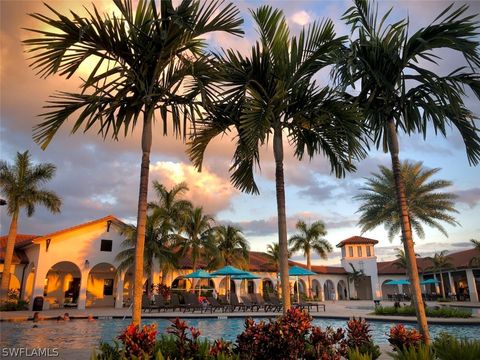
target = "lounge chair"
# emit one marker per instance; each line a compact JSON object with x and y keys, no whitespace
{"x":175,"y":302}
{"x":214,"y":305}
{"x":146,"y":305}
{"x":310,"y":305}
{"x":249,"y":305}
{"x":276,"y":304}
{"x":235,"y":304}
{"x":159,"y":304}
{"x":192,"y":303}
{"x":260,"y":301}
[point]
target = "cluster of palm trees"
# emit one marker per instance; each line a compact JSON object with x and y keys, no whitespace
{"x":153,"y":63}
{"x":175,"y":228}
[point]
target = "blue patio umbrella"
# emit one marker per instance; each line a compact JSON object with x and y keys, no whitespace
{"x":429,"y":281}
{"x":299,"y":271}
{"x":199,"y":274}
{"x":247,"y":276}
{"x":229,"y":271}
{"x":398,"y":282}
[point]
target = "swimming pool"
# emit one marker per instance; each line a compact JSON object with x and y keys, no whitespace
{"x":82,"y":334}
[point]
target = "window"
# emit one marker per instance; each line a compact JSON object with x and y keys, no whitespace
{"x":106,"y":245}
{"x":108,"y":287}
{"x":350,"y":251}
{"x":343,"y":251}
{"x":359,"y":251}
{"x":369,"y":251}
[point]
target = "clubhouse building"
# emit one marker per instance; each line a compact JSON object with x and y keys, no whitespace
{"x":77,"y":267}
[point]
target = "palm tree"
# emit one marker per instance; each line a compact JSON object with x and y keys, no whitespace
{"x":22,"y":185}
{"x":440,"y":261}
{"x":197,"y":238}
{"x":354,"y":276}
{"x":425,"y":204}
{"x":271,"y":94}
{"x":168,"y":210}
{"x":475,"y":260}
{"x":157,"y":248}
{"x":401,"y":261}
{"x":398,"y":94}
{"x":273,"y":252}
{"x":232,"y":247}
{"x":310,"y":238}
{"x":145,"y":59}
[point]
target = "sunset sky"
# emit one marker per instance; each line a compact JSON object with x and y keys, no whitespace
{"x":96,"y":177}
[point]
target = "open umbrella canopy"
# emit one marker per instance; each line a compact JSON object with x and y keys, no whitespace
{"x":299,"y":271}
{"x":246,"y":276}
{"x":398,"y":282}
{"x":229,"y":271}
{"x":199,"y":274}
{"x":429,"y":281}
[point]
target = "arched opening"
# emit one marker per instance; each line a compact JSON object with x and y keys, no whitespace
{"x":267,"y":288}
{"x":316,"y":289}
{"x":342,"y":290}
{"x":28,"y":282}
{"x":62,"y":284}
{"x":389,"y":291}
{"x":181,"y":284}
{"x":102,"y":286}
{"x":205,"y":286}
{"x":222,"y":287}
{"x":329,"y":290}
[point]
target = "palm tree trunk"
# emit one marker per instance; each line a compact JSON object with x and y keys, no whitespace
{"x":309,"y":279}
{"x":442,"y":285}
{"x":7,"y":267}
{"x":142,"y":216}
{"x":282,"y":220}
{"x":407,"y":232}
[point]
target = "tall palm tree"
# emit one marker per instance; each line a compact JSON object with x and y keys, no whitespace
{"x":440,"y":261}
{"x":354,"y":276}
{"x":232,"y":247}
{"x":145,"y":60}
{"x":273,"y":252}
{"x":167,"y":211}
{"x":401,"y":261}
{"x":22,"y":185}
{"x":426,"y":205}
{"x":197,"y":237}
{"x":157,"y":248}
{"x":399,"y":94}
{"x":310,"y":238}
{"x":271,"y":95}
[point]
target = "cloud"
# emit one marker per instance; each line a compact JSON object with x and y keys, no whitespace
{"x":205,"y":188}
{"x":471,"y":197}
{"x":301,"y":18}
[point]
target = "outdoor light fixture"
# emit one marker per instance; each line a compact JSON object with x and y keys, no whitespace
{"x":48,"y":244}
{"x":87,"y":264}
{"x":109,"y":222}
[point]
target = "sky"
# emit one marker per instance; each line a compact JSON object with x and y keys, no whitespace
{"x":97,"y":177}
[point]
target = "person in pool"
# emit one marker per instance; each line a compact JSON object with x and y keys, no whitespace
{"x":66,"y":317}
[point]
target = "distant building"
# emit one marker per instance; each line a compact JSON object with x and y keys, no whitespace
{"x":77,"y":267}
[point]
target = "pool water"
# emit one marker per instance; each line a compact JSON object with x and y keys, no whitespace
{"x":82,"y":334}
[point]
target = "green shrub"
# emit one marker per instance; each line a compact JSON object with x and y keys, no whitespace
{"x":14,"y":305}
{"x":356,"y":354}
{"x":444,"y":312}
{"x":448,"y":347}
{"x":420,"y":352}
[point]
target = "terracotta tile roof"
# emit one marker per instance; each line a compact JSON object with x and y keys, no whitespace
{"x":322,"y":269}
{"x":459,"y":260}
{"x":104,"y":219}
{"x":19,"y":256}
{"x":357,"y":240}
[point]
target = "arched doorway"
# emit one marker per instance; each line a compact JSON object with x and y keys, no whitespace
{"x":329,"y":290}
{"x":316,"y":289}
{"x":267,"y":288}
{"x":388,"y":291}
{"x":181,"y":284}
{"x":222,"y":287}
{"x":302,"y":288}
{"x":62,"y":284}
{"x":342,"y":290}
{"x":102,"y":286}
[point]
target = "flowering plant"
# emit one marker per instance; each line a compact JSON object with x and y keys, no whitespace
{"x":139,"y":343}
{"x":402,"y":338}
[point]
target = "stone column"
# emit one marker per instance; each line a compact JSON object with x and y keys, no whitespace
{"x":82,"y":296}
{"x":38,"y":285}
{"x":452,"y":283}
{"x":472,"y":285}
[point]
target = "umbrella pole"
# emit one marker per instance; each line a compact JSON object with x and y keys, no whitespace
{"x":298,"y":292}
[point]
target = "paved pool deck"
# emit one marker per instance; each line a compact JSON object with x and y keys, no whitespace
{"x":334,"y":309}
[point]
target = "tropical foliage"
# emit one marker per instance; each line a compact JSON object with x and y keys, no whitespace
{"x":354,"y":276}
{"x":271,"y":94}
{"x":413,"y":98}
{"x":22,"y":186}
{"x":147,"y":63}
{"x":440,"y":261}
{"x":232,"y":247}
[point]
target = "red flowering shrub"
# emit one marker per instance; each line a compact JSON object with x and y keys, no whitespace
{"x":186,"y":345}
{"x":402,"y":338}
{"x":221,"y":348}
{"x":162,"y":289}
{"x":292,"y":336}
{"x":358,"y":336}
{"x":139,"y":343}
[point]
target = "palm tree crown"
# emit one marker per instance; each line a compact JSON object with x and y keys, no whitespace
{"x":401,"y":261}
{"x":310,"y":238}
{"x":425,"y":204}
{"x":22,"y":186}
{"x":232,"y":246}
{"x":440,"y":261}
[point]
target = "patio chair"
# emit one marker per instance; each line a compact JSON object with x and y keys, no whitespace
{"x":234,"y":303}
{"x":214,"y":305}
{"x":159,"y":304}
{"x":260,"y":301}
{"x":192,"y":303}
{"x":249,"y":305}
{"x":146,"y":305}
{"x":175,"y":302}
{"x":277,"y":305}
